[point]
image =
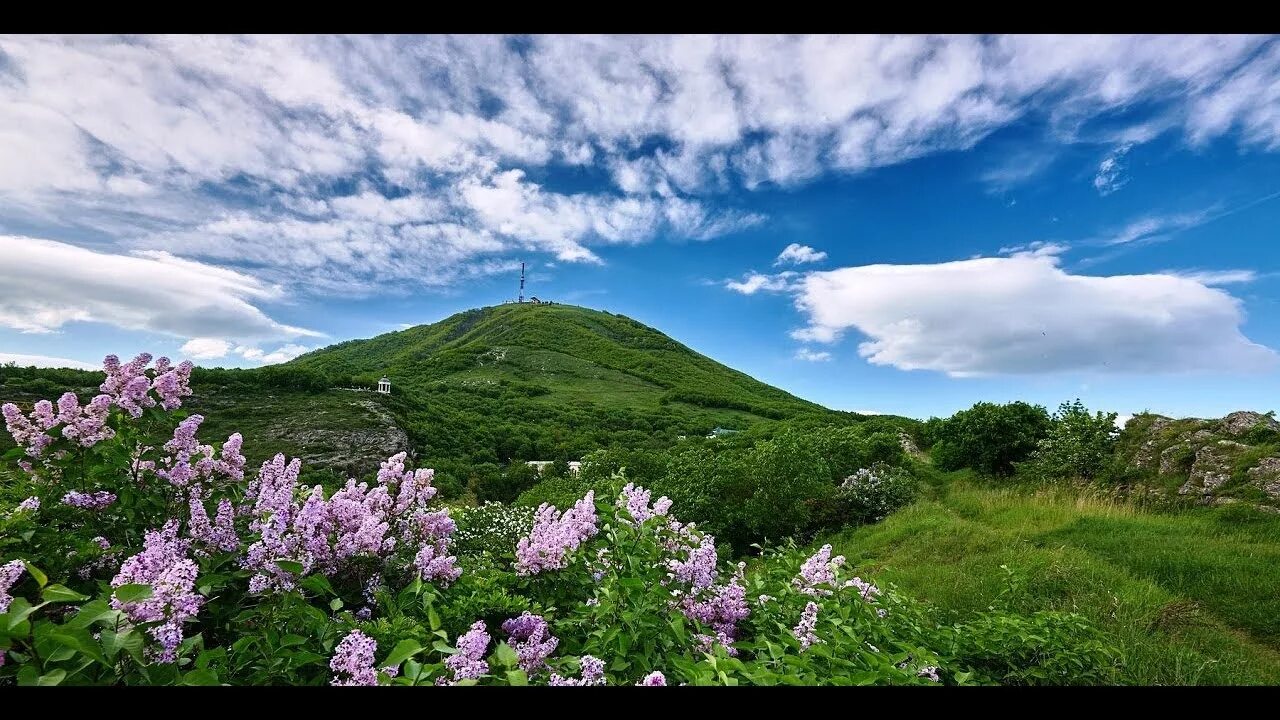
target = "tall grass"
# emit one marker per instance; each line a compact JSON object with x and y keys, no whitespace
{"x":1189,"y":596}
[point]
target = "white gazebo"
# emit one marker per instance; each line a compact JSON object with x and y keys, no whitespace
{"x":384,"y":386}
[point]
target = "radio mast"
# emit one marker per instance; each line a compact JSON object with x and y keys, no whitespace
{"x":521,"y":283}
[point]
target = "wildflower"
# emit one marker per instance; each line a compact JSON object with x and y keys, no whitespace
{"x":352,"y":661}
{"x":554,"y":536}
{"x":469,"y":663}
{"x":804,"y":630}
{"x":654,"y":679}
{"x":163,"y":564}
{"x":9,"y":574}
{"x":89,"y":501}
{"x":531,"y":639}
{"x":591,"y":672}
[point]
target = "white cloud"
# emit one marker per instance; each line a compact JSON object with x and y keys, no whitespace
{"x":1039,"y":248}
{"x":812,"y":355}
{"x":1123,"y":419}
{"x":1110,"y":176}
{"x":1217,"y":277}
{"x":797,"y":254}
{"x":1155,"y":228}
{"x":46,"y":361}
{"x":211,"y":146}
{"x":754,"y":282}
{"x":46,"y":284}
{"x":205,"y":348}
{"x":281,"y":354}
{"x":1024,"y":314}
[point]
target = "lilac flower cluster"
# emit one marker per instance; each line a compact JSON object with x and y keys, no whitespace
{"x":192,"y":466}
{"x":532,"y":640}
{"x":31,"y":505}
{"x":469,"y":662}
{"x":636,"y":501}
{"x":84,"y":425}
{"x":27,"y":433}
{"x":89,"y":501}
{"x":554,"y":536}
{"x":357,"y":521}
{"x":805,"y":630}
{"x":218,"y":535}
{"x":9,"y":574}
{"x":654,"y":679}
{"x":129,"y":385}
{"x":591,"y":672}
{"x":819,"y":570}
{"x":930,"y":672}
{"x":352,"y":661}
{"x":172,"y":383}
{"x":163,"y":564}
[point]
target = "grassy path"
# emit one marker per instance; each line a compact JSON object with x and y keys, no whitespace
{"x":1191,"y":598}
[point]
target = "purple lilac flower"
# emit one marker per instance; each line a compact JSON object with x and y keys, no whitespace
{"x":930,"y":672}
{"x":89,"y":501}
{"x":469,"y":663}
{"x":804,"y":630}
{"x":533,"y":642}
{"x":25,"y":433}
{"x":9,"y":574}
{"x":128,"y":384}
{"x":31,"y":504}
{"x":218,"y":535}
{"x":591,"y":672}
{"x":554,"y":536}
{"x":654,"y":679}
{"x":163,"y":564}
{"x":352,"y":661}
{"x":192,"y":465}
{"x":818,"y":570}
{"x":636,"y":500}
{"x":274,"y":509}
{"x":172,"y":384}
{"x":721,"y":608}
{"x":432,"y":564}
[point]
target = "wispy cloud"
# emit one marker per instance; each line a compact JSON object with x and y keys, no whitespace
{"x":46,"y":361}
{"x":754,"y":282}
{"x":797,"y":254}
{"x":1216,"y":277}
{"x":812,"y":355}
{"x":1156,"y":228}
{"x":1111,"y":171}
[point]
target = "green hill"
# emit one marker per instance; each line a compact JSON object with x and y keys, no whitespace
{"x":550,"y":382}
{"x":485,"y":386}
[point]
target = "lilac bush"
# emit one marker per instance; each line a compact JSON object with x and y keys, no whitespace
{"x":468,"y":663}
{"x":555,"y":536}
{"x":164,"y":566}
{"x":352,"y":661}
{"x":533,"y":642}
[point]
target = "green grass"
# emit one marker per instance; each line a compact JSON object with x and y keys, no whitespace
{"x":1190,"y":598}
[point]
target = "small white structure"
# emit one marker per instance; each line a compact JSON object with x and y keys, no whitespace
{"x":384,"y":386}
{"x":539,"y":465}
{"x":575,"y":466}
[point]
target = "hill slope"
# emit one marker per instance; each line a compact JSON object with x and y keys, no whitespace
{"x":550,"y":381}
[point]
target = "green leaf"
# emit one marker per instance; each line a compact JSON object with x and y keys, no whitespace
{"x":61,"y":593}
{"x":200,"y":676}
{"x":133,"y":592}
{"x":53,"y":677}
{"x":81,"y":641}
{"x":19,"y":610}
{"x":433,"y":617}
{"x":40,"y":577}
{"x":517,"y":677}
{"x":290,"y":566}
{"x":114,"y":642}
{"x":505,"y":655}
{"x":403,"y":650}
{"x":318,"y":584}
{"x":335,"y":604}
{"x":28,"y":676}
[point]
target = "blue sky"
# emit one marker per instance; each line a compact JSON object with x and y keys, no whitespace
{"x":891,"y":224}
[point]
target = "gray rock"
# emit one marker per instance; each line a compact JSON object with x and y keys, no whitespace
{"x":1242,"y":421}
{"x":1266,"y":474}
{"x":1212,"y":467}
{"x":908,"y":445}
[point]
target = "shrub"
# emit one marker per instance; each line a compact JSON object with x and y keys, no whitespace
{"x":987,"y":437}
{"x":490,"y":528}
{"x":505,"y":486}
{"x":870,"y":494}
{"x":1079,"y":444}
{"x":1045,"y":648}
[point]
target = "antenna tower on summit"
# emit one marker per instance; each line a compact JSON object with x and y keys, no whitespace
{"x":521,"y":283}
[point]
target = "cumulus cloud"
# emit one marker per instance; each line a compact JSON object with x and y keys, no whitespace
{"x":218,"y":147}
{"x":1024,"y":314}
{"x":1110,"y":176}
{"x":797,"y":254}
{"x":46,"y":284}
{"x":46,"y":361}
{"x":754,"y":282}
{"x":284,"y":353}
{"x":812,"y":355}
{"x":205,"y":348}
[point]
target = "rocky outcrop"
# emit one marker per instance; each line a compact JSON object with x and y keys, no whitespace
{"x":908,"y":445}
{"x":1266,"y":474}
{"x":353,"y":446}
{"x":1213,"y":467}
{"x":1242,"y":421}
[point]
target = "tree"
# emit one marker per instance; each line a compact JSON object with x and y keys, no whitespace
{"x":988,"y":437}
{"x":1078,"y":444}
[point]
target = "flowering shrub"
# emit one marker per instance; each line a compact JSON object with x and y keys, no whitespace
{"x":870,"y":494}
{"x":217,"y":575}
